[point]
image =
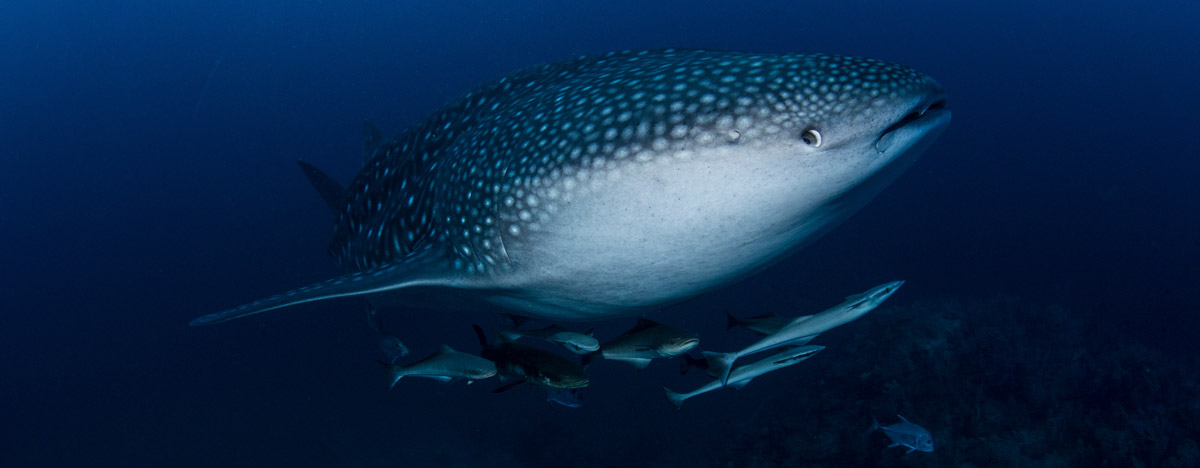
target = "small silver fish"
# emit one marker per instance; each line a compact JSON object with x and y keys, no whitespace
{"x":446,"y":365}
{"x":649,"y":340}
{"x":905,"y":434}
{"x":575,"y":342}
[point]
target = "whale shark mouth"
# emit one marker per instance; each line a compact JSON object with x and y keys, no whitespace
{"x":927,"y":111}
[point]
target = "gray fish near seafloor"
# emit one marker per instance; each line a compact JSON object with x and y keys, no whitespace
{"x":607,"y":185}
{"x":905,"y":434}
{"x":446,"y":365}
{"x":526,"y":364}
{"x":649,"y":340}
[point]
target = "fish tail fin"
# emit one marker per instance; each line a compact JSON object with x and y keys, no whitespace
{"x":394,"y":373}
{"x":731,"y":321}
{"x":420,"y":268}
{"x":874,"y":426}
{"x":721,"y":364}
{"x":675,"y":398}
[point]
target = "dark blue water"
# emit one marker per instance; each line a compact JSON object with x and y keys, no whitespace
{"x":147,"y":173}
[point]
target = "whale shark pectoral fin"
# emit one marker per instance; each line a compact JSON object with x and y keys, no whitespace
{"x":420,"y":268}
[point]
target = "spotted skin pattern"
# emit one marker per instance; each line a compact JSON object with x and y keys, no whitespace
{"x":459,"y":198}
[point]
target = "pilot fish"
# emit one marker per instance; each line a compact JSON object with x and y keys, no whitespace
{"x":608,"y":185}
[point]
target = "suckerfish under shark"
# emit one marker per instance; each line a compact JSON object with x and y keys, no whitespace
{"x":742,"y":375}
{"x":800,"y":330}
{"x":608,"y":185}
{"x":649,"y":340}
{"x":446,"y":365}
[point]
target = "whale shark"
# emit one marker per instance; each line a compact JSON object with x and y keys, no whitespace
{"x":608,"y":185}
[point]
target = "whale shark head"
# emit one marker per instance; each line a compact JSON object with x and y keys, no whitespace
{"x":725,"y":164}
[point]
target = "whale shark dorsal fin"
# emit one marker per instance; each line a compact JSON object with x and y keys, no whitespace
{"x":423,"y":267}
{"x":372,"y":139}
{"x":330,"y":191}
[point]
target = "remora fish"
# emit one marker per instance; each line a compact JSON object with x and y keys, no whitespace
{"x":801,"y":330}
{"x":531,"y":365}
{"x":446,"y":365}
{"x":649,"y":340}
{"x":575,"y":342}
{"x":905,"y":434}
{"x":742,"y":375}
{"x":765,"y":324}
{"x":607,"y":185}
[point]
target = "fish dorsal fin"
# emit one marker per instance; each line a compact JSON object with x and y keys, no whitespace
{"x":330,"y":191}
{"x":901,"y":418}
{"x":372,"y":139}
{"x":642,"y":324}
{"x":591,"y":332}
{"x":420,"y":268}
{"x":445,"y":349}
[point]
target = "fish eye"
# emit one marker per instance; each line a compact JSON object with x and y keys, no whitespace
{"x":811,"y":137}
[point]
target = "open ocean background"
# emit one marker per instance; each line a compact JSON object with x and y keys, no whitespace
{"x":1050,"y":240}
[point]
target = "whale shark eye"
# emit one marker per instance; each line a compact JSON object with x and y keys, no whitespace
{"x":811,"y":137}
